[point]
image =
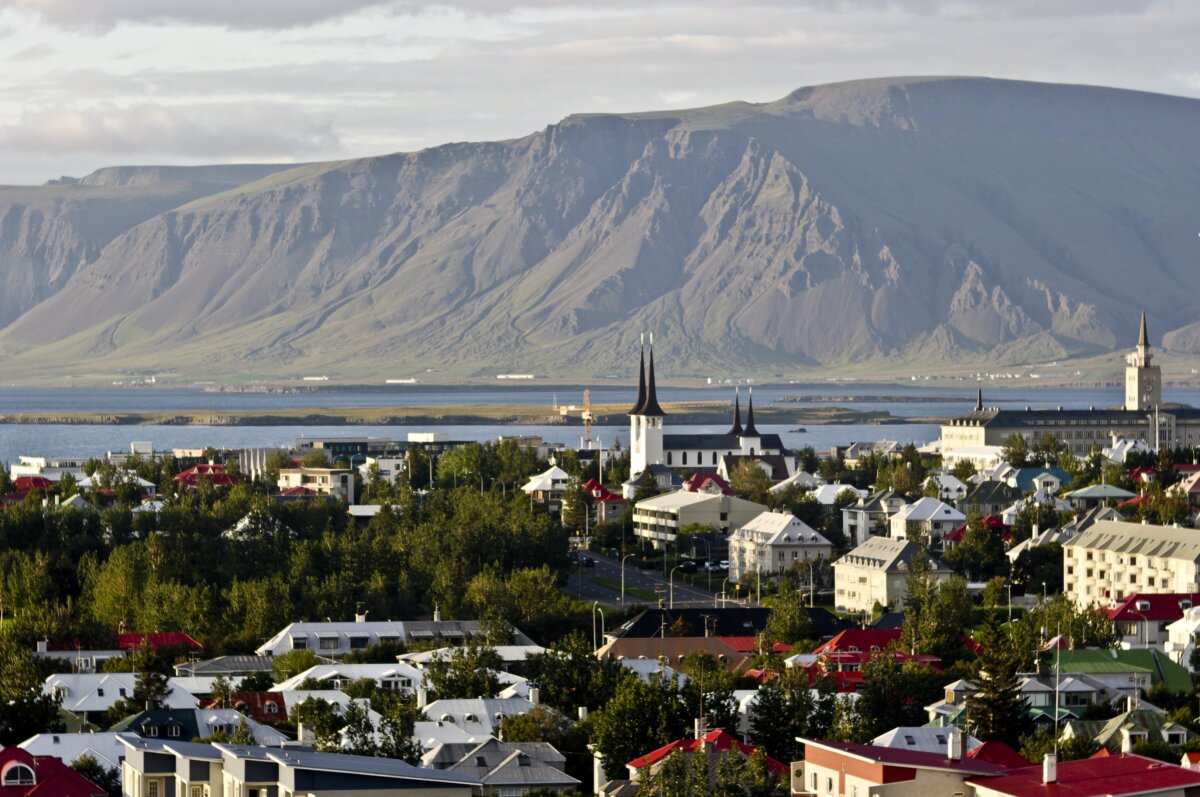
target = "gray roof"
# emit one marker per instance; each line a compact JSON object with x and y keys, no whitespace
{"x":884,"y":553}
{"x":226,"y":665}
{"x":495,"y":763}
{"x":301,"y":758}
{"x":1138,"y":538}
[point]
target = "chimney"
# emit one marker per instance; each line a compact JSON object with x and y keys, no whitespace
{"x":360,"y":618}
{"x":1126,"y":741}
{"x":437,"y":614}
{"x":304,"y":734}
{"x":583,"y":713}
{"x":535,"y":695}
{"x":43,"y":645}
{"x":422,"y":697}
{"x":1050,"y":768}
{"x":954,"y":745}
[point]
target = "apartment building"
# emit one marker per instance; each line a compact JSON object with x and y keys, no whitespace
{"x":1113,"y":559}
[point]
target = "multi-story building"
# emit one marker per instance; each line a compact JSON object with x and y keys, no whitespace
{"x":334,"y":482}
{"x":774,"y":542}
{"x":877,"y":572}
{"x":928,"y":518}
{"x":162,"y":768}
{"x":841,"y":769}
{"x":869,"y":517}
{"x":650,"y":445}
{"x":1142,"y":620}
{"x":659,"y":519}
{"x":1114,"y":559}
{"x":1143,"y":417}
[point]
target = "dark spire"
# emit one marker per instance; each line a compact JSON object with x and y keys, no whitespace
{"x":979,"y":398}
{"x":1143,"y":338}
{"x":737,"y":413}
{"x":641,"y":396}
{"x":750,"y":431}
{"x":650,"y":407}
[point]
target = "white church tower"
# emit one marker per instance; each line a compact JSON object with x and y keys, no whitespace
{"x":645,"y":420}
{"x":1143,"y":381}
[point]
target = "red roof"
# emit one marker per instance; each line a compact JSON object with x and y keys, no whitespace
{"x":991,"y":523}
{"x":256,"y":705}
{"x":51,"y":777}
{"x":601,"y":493}
{"x":1145,"y":473}
{"x":297,"y":491}
{"x":699,"y":480}
{"x":903,"y":757}
{"x":1164,"y":606}
{"x":998,"y":753}
{"x":854,"y":640}
{"x":215,"y":473}
{"x":26,"y":483}
{"x":1114,"y":775}
{"x":1135,"y":501}
{"x":170,"y":639}
{"x":717,"y":740}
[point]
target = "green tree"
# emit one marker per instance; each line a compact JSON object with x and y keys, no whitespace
{"x":963,"y":470}
{"x":750,"y":481}
{"x":640,"y":717}
{"x":219,"y":691}
{"x":316,"y":458}
{"x":997,"y":711}
{"x":107,"y":778}
{"x":242,"y":734}
{"x":1015,"y":450}
{"x":979,"y":554}
{"x":294,"y":662}
{"x":467,"y":672}
{"x":1073,"y":748}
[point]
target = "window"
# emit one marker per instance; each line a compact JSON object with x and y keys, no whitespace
{"x":100,"y":691}
{"x":271,"y":707}
{"x":197,"y":791}
{"x":121,"y":691}
{"x":175,"y":730}
{"x":669,"y":458}
{"x":358,"y":642}
{"x":329,"y":643}
{"x":18,"y":775}
{"x":152,"y":730}
{"x":299,"y":643}
{"x":152,"y":788}
{"x":684,"y":457}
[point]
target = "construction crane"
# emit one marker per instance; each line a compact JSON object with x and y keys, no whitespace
{"x":585,"y":413}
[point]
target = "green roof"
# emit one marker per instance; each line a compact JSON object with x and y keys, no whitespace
{"x":1161,"y":669}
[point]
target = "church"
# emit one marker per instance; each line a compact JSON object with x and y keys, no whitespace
{"x":978,"y":435}
{"x":651,"y":446}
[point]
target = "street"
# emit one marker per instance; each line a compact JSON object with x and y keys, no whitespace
{"x":582,"y":586}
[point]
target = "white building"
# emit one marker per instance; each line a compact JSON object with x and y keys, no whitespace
{"x":877,"y":572}
{"x":659,"y":518}
{"x":650,"y":445}
{"x":85,"y":694}
{"x":332,"y":640}
{"x":396,"y":677}
{"x":931,"y":518}
{"x":106,"y":748}
{"x":1182,"y":636}
{"x":391,"y":469}
{"x":1113,"y":559}
{"x":774,"y":542}
{"x":335,"y":482}
{"x":948,"y":486}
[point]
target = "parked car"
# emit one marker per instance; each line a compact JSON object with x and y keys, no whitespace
{"x":687,"y":566}
{"x":712,"y":567}
{"x":724,"y":564}
{"x":589,"y":561}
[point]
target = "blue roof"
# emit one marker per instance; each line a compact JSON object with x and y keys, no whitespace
{"x":1024,"y":477}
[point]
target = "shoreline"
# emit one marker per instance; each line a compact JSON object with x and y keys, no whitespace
{"x":693,"y":413}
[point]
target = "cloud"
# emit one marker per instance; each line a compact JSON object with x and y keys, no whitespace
{"x":101,"y":15}
{"x":218,"y":132}
{"x":33,"y":52}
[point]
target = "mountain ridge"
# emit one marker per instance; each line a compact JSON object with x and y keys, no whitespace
{"x":873,"y":223}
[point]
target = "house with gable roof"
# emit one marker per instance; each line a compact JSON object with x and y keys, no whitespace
{"x":877,"y":572}
{"x":869,"y":516}
{"x":930,"y":518}
{"x":774,"y":542}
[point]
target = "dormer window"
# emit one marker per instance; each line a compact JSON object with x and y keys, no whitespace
{"x":18,"y":775}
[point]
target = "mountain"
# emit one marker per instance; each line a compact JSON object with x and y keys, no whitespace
{"x":868,"y":225}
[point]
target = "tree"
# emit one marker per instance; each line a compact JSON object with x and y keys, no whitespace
{"x":220,"y":690}
{"x":467,"y":672}
{"x":782,"y":711}
{"x":1033,"y":515}
{"x":980,"y":553}
{"x":242,"y":734}
{"x":641,"y":716}
{"x":963,"y":470}
{"x":1035,"y":746}
{"x":997,"y":711}
{"x":294,"y":662}
{"x":316,"y":458}
{"x":256,"y":682}
{"x":1046,"y":450}
{"x":750,"y":481}
{"x":1039,"y":565}
{"x":647,"y":486}
{"x":1015,"y":450}
{"x":108,"y":779}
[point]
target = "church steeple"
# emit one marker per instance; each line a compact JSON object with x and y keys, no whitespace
{"x":650,"y":407}
{"x":750,"y":431}
{"x":1143,"y":338}
{"x":641,"y":394}
{"x":1143,"y":379}
{"x":979,"y":398}
{"x":736,"y":429}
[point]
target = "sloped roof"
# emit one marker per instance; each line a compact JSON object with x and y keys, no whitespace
{"x":1151,"y":606}
{"x":779,"y":528}
{"x":51,"y":777}
{"x":1141,"y":539}
{"x":718,"y":741}
{"x":930,"y":509}
{"x":498,"y":764}
{"x":1113,"y":775}
{"x":908,"y":758}
{"x":884,"y":553}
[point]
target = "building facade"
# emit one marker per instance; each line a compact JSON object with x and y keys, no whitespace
{"x":877,"y":572}
{"x":774,"y":542}
{"x":1112,"y":560}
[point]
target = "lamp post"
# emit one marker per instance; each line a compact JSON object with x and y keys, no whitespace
{"x":597,"y":610}
{"x":1146,"y":628}
{"x":1045,"y":597}
{"x":723,"y":598}
{"x":623,"y":558}
{"x":1009,"y":585}
{"x":812,"y":584}
{"x":671,"y":588}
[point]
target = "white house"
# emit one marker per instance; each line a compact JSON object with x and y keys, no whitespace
{"x":391,"y":469}
{"x":660,"y":518}
{"x":932,"y":518}
{"x":1181,"y":637}
{"x":547,"y":487}
{"x":84,"y":694}
{"x":948,"y":486}
{"x":389,"y":677}
{"x":334,"y":482}
{"x":773,"y":542}
{"x":877,"y":572}
{"x":1112,"y":559}
{"x":478,"y":717}
{"x":106,"y":748}
{"x":332,"y":640}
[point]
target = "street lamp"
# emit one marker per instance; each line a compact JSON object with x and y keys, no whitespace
{"x":1009,"y":585}
{"x":671,"y":587}
{"x":596,"y":609}
{"x":812,"y":583}
{"x":723,"y":598}
{"x":623,"y":558}
{"x":1045,"y":597}
{"x":1146,"y":626}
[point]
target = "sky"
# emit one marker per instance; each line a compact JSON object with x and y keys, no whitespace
{"x":91,"y":83}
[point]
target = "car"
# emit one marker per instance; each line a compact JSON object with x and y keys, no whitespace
{"x":724,"y":564}
{"x":589,"y":561}
{"x":712,"y":567}
{"x":687,"y":566}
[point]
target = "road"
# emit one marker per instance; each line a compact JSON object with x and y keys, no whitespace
{"x":580,"y":584}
